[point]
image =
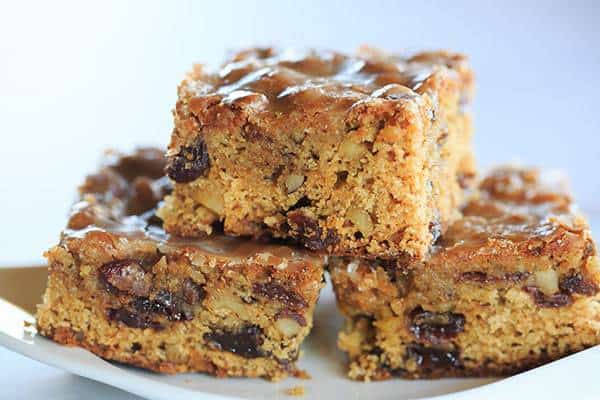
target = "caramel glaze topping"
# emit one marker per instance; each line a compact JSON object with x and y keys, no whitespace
{"x":121,"y":199}
{"x":279,"y":81}
{"x":514,"y":205}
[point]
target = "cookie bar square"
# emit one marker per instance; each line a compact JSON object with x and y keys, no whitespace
{"x":122,"y":288}
{"x":510,"y":286}
{"x":365,"y":155}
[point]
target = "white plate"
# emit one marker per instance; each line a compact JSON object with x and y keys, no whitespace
{"x":572,"y":376}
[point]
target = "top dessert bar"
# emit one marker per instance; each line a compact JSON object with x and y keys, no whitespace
{"x":364,"y":155}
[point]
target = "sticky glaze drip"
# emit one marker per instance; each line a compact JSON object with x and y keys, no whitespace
{"x":283,"y":80}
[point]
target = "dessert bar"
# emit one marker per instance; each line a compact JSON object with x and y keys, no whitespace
{"x":122,"y":288}
{"x":512,"y":285}
{"x":364,"y":155}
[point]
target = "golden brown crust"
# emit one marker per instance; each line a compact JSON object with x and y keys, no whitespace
{"x":365,"y":155}
{"x":512,"y":285}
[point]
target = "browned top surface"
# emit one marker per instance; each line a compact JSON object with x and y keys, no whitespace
{"x":283,"y":80}
{"x":518,"y":212}
{"x":121,"y":199}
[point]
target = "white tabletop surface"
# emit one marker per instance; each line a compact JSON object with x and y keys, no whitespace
{"x":77,"y":78}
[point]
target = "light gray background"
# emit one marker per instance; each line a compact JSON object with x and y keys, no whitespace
{"x":76,"y":78}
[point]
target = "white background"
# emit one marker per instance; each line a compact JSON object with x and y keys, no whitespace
{"x":77,"y":77}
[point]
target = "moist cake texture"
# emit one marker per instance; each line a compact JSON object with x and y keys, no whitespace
{"x":122,"y":288}
{"x":364,"y":155}
{"x":510,"y":286}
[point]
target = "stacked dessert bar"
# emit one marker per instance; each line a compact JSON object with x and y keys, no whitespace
{"x":511,"y":285}
{"x":127,"y":291}
{"x":282,"y":163}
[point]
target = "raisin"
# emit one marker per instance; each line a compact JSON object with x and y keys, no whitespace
{"x":432,"y":359}
{"x":515,"y":277}
{"x":132,"y":319}
{"x":192,"y":292}
{"x":244,"y":342}
{"x":309,"y":233}
{"x":555,"y":300}
{"x":167,"y":304}
{"x":142,"y":305}
{"x":190,"y":163}
{"x":164,"y":303}
{"x":576,"y":283}
{"x":125,"y":276}
{"x":141,"y":311}
{"x":435,"y":327}
{"x":277,"y":292}
{"x":475,"y":276}
{"x":482,"y":277}
{"x":568,"y":285}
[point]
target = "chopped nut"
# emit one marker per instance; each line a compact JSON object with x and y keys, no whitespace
{"x":352,"y":150}
{"x":361,"y":219}
{"x":175,"y":353}
{"x":211,"y":199}
{"x":230,"y":303}
{"x":293,"y":182}
{"x":288,"y":326}
{"x":198,"y":260}
{"x":547,"y":281}
{"x":298,"y":136}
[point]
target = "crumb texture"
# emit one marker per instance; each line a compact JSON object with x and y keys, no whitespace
{"x":363,"y":155}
